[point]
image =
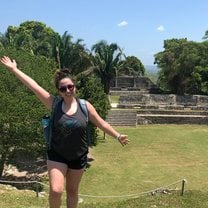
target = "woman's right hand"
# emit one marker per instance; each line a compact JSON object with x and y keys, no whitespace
{"x":10,"y":64}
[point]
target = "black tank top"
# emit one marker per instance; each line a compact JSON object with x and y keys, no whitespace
{"x":69,"y":133}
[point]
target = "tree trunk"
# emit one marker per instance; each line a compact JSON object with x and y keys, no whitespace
{"x":2,"y":162}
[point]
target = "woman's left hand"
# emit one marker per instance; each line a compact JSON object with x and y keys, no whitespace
{"x":123,"y":139}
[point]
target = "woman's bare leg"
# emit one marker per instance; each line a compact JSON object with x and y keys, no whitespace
{"x":57,"y":172}
{"x":73,"y":179}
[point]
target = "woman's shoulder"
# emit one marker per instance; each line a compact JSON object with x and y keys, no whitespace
{"x":56,"y":101}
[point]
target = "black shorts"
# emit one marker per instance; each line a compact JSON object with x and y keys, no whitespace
{"x":77,"y":164}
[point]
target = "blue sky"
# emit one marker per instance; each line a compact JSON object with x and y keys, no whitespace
{"x":139,"y":27}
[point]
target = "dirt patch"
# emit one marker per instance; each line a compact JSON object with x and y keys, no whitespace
{"x":25,"y":170}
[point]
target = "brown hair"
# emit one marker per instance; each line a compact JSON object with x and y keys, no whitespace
{"x":61,"y":74}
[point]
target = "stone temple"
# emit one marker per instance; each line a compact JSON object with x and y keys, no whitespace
{"x":140,"y":101}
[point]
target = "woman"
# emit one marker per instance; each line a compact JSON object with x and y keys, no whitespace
{"x":70,"y":126}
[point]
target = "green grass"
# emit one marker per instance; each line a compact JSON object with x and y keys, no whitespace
{"x":114,"y":98}
{"x":192,"y":199}
{"x":158,"y":155}
{"x":20,"y":199}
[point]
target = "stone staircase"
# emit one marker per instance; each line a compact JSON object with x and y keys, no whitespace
{"x":122,"y":117}
{"x":133,"y":117}
{"x":157,"y":109}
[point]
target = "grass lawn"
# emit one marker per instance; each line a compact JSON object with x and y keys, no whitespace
{"x":158,"y":155}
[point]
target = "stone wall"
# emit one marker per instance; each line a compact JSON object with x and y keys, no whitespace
{"x":145,"y":99}
{"x":133,"y":84}
{"x":168,"y":119}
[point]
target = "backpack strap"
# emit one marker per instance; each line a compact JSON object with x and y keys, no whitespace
{"x":84,"y":109}
{"x":51,"y":124}
{"x":55,"y":102}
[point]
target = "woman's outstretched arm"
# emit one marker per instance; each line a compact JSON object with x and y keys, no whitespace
{"x":44,"y":96}
{"x":95,"y":118}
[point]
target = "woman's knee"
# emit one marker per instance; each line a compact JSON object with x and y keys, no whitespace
{"x":56,"y":191}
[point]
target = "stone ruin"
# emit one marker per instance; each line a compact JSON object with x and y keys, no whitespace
{"x":166,"y":101}
{"x":130,"y":83}
{"x":144,"y":98}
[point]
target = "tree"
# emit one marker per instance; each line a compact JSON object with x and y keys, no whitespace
{"x":179,"y":64}
{"x":200,"y":72}
{"x":72,"y":55}
{"x":32,"y":36}
{"x":92,"y":90}
{"x":105,"y":61}
{"x":38,"y":39}
{"x":205,"y":37}
{"x":3,"y":41}
{"x":20,"y":110}
{"x":132,"y":66}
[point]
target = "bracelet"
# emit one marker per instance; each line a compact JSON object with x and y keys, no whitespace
{"x":118,"y":136}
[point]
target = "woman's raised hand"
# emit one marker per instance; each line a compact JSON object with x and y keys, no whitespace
{"x":10,"y":64}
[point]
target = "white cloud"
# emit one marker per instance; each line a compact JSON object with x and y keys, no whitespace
{"x":161,"y":28}
{"x":123,"y":24}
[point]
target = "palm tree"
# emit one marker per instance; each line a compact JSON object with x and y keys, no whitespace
{"x":7,"y":40}
{"x":106,"y":61}
{"x":3,"y":40}
{"x":71,"y":55}
{"x":62,"y":49}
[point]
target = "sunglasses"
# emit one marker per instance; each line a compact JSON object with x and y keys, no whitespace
{"x":70,"y":87}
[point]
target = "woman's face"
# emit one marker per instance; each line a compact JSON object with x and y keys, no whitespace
{"x":66,"y":87}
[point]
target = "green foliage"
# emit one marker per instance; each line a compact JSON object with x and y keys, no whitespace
{"x":91,"y":89}
{"x":72,"y":55}
{"x":183,"y":65}
{"x":205,"y":37}
{"x":132,"y":66}
{"x":20,"y":110}
{"x":33,"y":37}
{"x":106,"y":61}
{"x":38,"y":39}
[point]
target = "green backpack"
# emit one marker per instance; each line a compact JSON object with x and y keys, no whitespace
{"x":47,"y":121}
